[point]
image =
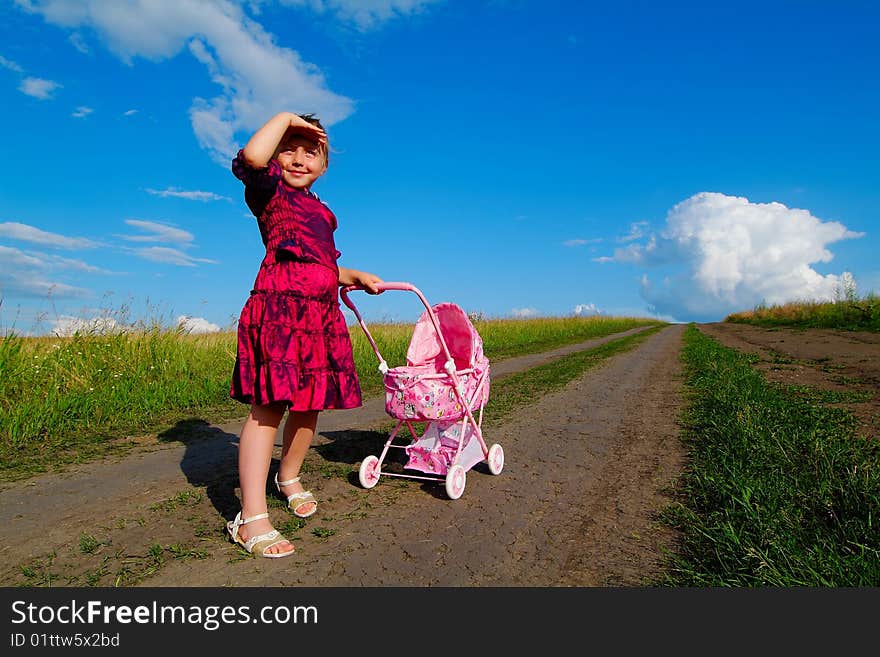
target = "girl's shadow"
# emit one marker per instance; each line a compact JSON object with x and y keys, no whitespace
{"x":210,"y":461}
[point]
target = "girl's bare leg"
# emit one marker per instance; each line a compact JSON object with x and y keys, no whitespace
{"x":299,"y":429}
{"x":255,"y":447}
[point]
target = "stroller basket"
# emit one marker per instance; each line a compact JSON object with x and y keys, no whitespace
{"x":421,"y":393}
{"x":444,"y":383}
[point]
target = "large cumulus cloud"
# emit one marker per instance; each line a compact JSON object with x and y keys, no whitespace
{"x":719,"y":254}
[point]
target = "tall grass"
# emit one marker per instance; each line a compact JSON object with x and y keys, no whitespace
{"x":780,"y":491}
{"x":851,"y":313}
{"x":66,"y":399}
{"x":60,"y":398}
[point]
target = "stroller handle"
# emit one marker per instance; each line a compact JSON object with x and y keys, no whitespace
{"x":396,"y":285}
{"x":384,"y":285}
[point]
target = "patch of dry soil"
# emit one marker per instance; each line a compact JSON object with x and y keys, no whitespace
{"x":846,"y":362}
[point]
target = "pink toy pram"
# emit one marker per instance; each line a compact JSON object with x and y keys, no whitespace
{"x":445,"y":381}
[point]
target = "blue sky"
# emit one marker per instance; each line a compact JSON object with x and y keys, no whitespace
{"x":518,"y":158}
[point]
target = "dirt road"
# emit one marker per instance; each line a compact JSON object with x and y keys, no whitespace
{"x":587,"y":468}
{"x":571,"y":506}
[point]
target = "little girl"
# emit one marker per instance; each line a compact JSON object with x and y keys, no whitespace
{"x":294,"y":351}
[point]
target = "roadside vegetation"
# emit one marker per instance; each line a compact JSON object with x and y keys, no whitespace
{"x":65,"y":400}
{"x":849,"y":313}
{"x":780,"y":490}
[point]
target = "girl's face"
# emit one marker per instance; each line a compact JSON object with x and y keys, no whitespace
{"x":302,"y":161}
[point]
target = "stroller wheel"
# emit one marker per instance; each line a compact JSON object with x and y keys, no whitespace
{"x":496,"y":459}
{"x":369,"y":473}
{"x":455,"y":481}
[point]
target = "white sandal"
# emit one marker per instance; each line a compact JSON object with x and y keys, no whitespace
{"x":305,"y":497}
{"x":260,"y":543}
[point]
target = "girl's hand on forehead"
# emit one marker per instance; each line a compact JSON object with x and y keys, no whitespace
{"x":301,"y":126}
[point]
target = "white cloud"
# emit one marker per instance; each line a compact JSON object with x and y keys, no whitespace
{"x":82,"y":112}
{"x":170,"y":256}
{"x":365,"y":14}
{"x":11,"y":65}
{"x":67,"y":326}
{"x":255,"y":76}
{"x":38,"y":88}
{"x":130,"y":112}
{"x":724,"y":254}
{"x":581,"y":242}
{"x":522,"y":313}
{"x":30,"y":274}
{"x":157,"y":232}
{"x":586,"y":309}
{"x":77,"y":41}
{"x":26,"y":233}
{"x":196,"y":325}
{"x":16,"y":285}
{"x":636,"y":231}
{"x":57,"y":262}
{"x":31,"y":86}
{"x":189,"y":195}
{"x":13,"y":258}
{"x":634,"y":253}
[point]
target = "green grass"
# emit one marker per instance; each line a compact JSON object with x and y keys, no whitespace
{"x":849,"y":313}
{"x":779,"y":490}
{"x":65,"y":400}
{"x":88,"y":543}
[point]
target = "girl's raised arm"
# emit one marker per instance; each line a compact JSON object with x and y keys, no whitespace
{"x":261,"y":146}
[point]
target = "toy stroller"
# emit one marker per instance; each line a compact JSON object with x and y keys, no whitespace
{"x":444,"y":383}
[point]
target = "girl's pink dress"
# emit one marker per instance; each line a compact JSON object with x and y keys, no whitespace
{"x":293,"y":344}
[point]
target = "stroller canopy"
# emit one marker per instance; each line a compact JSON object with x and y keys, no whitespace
{"x":462,"y":339}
